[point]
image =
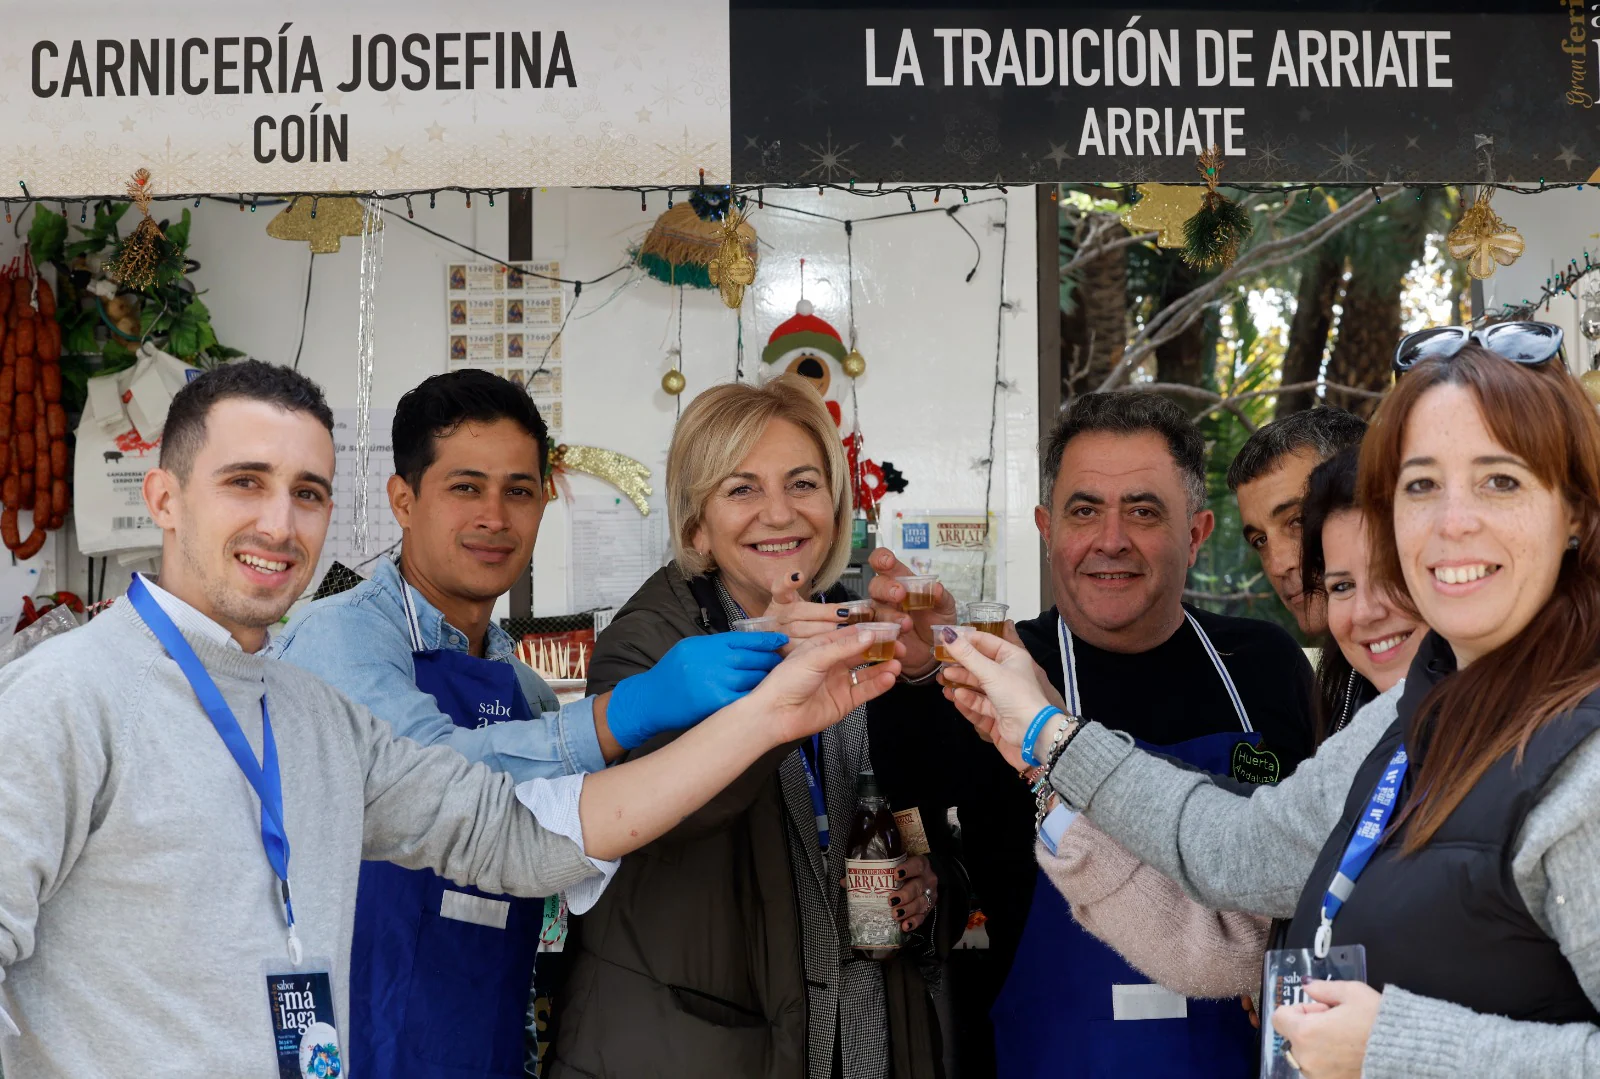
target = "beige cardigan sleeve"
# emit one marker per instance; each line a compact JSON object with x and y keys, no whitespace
{"x":1149,"y":920}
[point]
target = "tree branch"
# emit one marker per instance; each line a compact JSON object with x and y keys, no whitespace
{"x":1175,"y":318}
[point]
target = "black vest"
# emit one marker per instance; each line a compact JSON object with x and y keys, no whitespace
{"x":1448,"y":921}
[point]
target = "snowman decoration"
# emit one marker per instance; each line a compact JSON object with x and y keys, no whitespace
{"x":809,"y":347}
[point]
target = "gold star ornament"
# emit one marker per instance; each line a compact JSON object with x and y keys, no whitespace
{"x":335,"y":218}
{"x":1162,"y":209}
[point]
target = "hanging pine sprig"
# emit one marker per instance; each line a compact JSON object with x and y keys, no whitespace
{"x":146,"y":256}
{"x":1211,"y":238}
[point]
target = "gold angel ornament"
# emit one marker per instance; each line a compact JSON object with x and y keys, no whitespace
{"x":1483,"y":240}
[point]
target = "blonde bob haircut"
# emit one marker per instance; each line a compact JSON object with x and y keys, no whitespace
{"x":718,"y":430}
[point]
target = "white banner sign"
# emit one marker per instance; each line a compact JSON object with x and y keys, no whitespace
{"x":359,"y":95}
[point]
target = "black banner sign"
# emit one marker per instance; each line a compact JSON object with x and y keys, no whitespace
{"x":1063,"y":94}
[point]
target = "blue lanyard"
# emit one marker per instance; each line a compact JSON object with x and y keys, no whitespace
{"x":818,"y":806}
{"x":1363,"y":844}
{"x":264,"y":778}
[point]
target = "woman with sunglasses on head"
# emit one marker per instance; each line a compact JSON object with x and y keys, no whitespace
{"x":1452,"y":829}
{"x":1143,"y":914}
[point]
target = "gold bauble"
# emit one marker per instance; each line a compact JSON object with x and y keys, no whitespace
{"x":673,"y":382}
{"x":1591,"y":385}
{"x":855,"y":364}
{"x":1163,"y":208}
{"x":336,"y":217}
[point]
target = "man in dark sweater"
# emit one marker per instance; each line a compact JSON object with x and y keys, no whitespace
{"x":1123,"y":516}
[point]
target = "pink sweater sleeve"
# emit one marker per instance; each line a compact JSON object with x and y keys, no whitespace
{"x":1149,"y":920}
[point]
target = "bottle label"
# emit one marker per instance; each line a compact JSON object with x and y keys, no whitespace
{"x":868,"y":885}
{"x":912,"y":835}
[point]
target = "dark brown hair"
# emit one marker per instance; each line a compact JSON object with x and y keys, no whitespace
{"x":1494,"y":706}
{"x":1330,"y":489}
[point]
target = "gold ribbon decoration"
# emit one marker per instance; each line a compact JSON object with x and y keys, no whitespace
{"x":334,"y":218}
{"x":1163,"y":208}
{"x":1482,"y":239}
{"x":732,"y":269}
{"x":627,"y":475}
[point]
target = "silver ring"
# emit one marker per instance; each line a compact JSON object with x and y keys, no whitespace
{"x":1289,"y":1056}
{"x":853,"y":680}
{"x":927,"y":895}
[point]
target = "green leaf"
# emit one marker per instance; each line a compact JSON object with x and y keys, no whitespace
{"x":208,"y":336}
{"x":80,"y":338}
{"x":184,"y":341}
{"x":84,"y":247}
{"x":117,"y":356}
{"x":196,"y":312}
{"x":149,"y":317}
{"x":179,"y":233}
{"x":224,"y":353}
{"x":46,"y":235}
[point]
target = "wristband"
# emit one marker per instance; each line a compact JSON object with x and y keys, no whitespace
{"x":1032,"y":736}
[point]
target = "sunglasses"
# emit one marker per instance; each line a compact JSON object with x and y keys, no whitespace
{"x":1529,"y":343}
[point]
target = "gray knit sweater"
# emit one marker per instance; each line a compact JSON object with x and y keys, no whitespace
{"x":138,"y":913}
{"x":1254,"y":854}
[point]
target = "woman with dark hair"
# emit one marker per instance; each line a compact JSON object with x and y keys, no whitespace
{"x":1373,"y":637}
{"x":1452,"y":829}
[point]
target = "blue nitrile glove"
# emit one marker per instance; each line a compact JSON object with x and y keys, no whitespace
{"x":696,"y":677}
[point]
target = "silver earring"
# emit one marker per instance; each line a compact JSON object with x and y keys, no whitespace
{"x":1572,"y":543}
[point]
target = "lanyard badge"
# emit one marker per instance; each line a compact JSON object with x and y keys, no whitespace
{"x":1287,"y":970}
{"x":264,"y":778}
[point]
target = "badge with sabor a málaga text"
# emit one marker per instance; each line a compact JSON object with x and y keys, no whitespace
{"x":1285,"y":974}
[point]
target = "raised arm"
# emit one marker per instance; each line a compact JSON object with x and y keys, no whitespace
{"x":1228,"y":851}
{"x":634,"y":803}
{"x":1145,"y":916}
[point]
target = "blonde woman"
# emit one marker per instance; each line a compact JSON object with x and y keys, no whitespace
{"x":722,"y":948}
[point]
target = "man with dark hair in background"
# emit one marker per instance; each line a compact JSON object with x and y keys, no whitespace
{"x":1268,"y":477}
{"x":441,"y":975}
{"x":1122,"y":514}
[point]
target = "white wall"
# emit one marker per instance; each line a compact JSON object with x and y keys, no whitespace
{"x":1556,"y":226}
{"x":928,"y":335}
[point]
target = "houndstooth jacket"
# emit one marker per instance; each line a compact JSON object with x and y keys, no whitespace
{"x":844,"y":994}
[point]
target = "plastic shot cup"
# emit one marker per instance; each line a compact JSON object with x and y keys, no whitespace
{"x":919,"y":592}
{"x":857,"y":611}
{"x":942,"y":641}
{"x":987,"y":617}
{"x":755,"y":625}
{"x":881,"y":648}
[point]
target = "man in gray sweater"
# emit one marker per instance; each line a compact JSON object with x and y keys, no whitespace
{"x":146,"y":919}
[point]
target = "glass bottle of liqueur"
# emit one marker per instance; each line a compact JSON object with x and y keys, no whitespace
{"x":872,"y":859}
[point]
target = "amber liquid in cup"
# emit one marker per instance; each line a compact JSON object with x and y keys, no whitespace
{"x":941,"y":652}
{"x":997,"y":628}
{"x":857,"y":613}
{"x":879,"y":652}
{"x":919,"y":601}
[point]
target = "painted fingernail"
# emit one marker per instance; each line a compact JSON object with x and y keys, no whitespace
{"x":900,"y":874}
{"x":894,"y":901}
{"x":843,"y":612}
{"x":794,"y":577}
{"x":841,"y":625}
{"x":900,"y":913}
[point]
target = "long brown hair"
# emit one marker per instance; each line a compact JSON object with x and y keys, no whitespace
{"x":1494,"y":706}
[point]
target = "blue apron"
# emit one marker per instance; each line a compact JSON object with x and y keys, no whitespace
{"x":439,"y":973}
{"x":1060,"y":988}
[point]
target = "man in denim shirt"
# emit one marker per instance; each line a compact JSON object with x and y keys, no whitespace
{"x":440,"y":973}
